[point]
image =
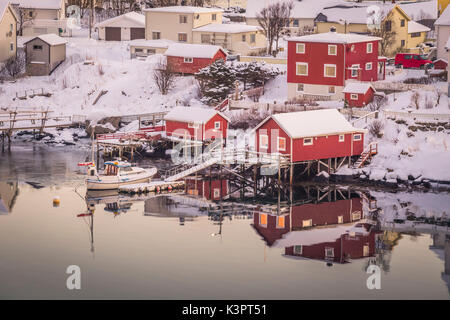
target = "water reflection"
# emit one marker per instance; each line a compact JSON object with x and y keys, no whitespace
{"x":8,"y":194}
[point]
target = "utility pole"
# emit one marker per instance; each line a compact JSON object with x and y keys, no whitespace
{"x":91,"y":5}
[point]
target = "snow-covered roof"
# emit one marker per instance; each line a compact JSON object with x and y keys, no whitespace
{"x":357,"y":87}
{"x":3,"y":6}
{"x":50,"y":38}
{"x":192,"y":114}
{"x":304,"y":9}
{"x":444,"y":19}
{"x":184,"y":9}
{"x":303,"y":124}
{"x":187,"y":50}
{"x":416,"y":27}
{"x":353,"y":13}
{"x":130,"y":19}
{"x":41,"y":4}
{"x":335,"y":37}
{"x":160,"y":43}
{"x":420,"y":9}
{"x":228,"y":28}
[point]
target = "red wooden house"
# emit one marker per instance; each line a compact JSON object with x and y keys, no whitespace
{"x":440,"y":64}
{"x":187,"y":58}
{"x":319,"y":65}
{"x":309,"y":135}
{"x":196,"y":123}
{"x":208,"y":189}
{"x":358,"y":94}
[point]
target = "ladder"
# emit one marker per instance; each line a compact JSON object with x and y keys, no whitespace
{"x":192,"y":170}
{"x":371,"y":150}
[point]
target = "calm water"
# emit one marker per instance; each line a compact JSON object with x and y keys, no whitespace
{"x":169,"y":248}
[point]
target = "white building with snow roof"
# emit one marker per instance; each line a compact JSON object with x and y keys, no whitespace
{"x":128,"y":26}
{"x":442,"y":28}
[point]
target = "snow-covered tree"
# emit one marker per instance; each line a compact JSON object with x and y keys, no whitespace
{"x":216,"y":81}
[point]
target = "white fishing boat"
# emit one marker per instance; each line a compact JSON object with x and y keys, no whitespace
{"x":116,"y":174}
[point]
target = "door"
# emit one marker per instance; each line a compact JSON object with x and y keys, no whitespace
{"x":137,"y":33}
{"x":112,"y":34}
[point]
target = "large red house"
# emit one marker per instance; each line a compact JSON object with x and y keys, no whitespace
{"x":358,"y":94}
{"x":196,"y":123}
{"x":319,"y":65}
{"x":188,"y":58}
{"x":309,"y":135}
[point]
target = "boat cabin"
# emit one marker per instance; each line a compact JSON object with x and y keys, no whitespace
{"x":112,"y":167}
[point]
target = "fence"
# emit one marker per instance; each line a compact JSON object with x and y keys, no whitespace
{"x":400,"y":86}
{"x":271,"y":107}
{"x":268,"y":60}
{"x":417,"y":116}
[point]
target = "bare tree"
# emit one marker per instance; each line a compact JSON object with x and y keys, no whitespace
{"x":273,"y":19}
{"x":415,"y":99}
{"x":164,"y":76}
{"x":23,"y":16}
{"x":15,"y":65}
{"x":82,"y":4}
{"x":387,"y":34}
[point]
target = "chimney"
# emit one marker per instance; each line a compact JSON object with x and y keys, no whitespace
{"x":333,"y":29}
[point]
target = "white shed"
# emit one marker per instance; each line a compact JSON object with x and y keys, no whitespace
{"x":129,"y":26}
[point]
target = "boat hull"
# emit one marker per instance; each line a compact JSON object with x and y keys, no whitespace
{"x":111,"y":183}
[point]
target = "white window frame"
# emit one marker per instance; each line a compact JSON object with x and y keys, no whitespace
{"x":261,"y":146}
{"x":214,"y":16}
{"x":335,"y":50}
{"x":340,"y":219}
{"x":357,"y":137}
{"x":354,"y":67}
{"x":353,"y":96}
{"x":296,"y":251}
{"x":158,"y":32}
{"x":11,"y":46}
{"x":308,"y":143}
{"x":356,"y":215}
{"x":216,"y":124}
{"x":302,"y":64}
{"x":341,"y":137}
{"x":284,"y":223}
{"x":216,"y":193}
{"x":183,"y":18}
{"x":253,"y":38}
{"x":326,"y":252}
{"x":179,"y":37}
{"x":369,"y":45}
{"x":278,"y":143}
{"x":188,"y":60}
{"x":369,"y":64}
{"x":303,"y":87}
{"x":325,"y":70}
{"x":244,"y":38}
{"x":307,"y":223}
{"x":300,"y":51}
{"x":334,"y":90}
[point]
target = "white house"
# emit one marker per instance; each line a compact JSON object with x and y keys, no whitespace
{"x":442,"y":26}
{"x":129,"y":26}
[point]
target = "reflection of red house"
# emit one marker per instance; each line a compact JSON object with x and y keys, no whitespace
{"x":309,"y":135}
{"x":440,"y":64}
{"x":190,"y":58}
{"x":196,"y":123}
{"x":324,"y":231}
{"x":210,"y":190}
{"x":358,"y":94}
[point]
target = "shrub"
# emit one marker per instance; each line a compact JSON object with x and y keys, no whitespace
{"x":375,"y":128}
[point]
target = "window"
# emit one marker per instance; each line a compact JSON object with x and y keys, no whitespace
{"x":11,"y":27}
{"x":295,"y":23}
{"x":182,"y":37}
{"x":11,"y":46}
{"x":206,"y":38}
{"x":354,"y":68}
{"x":263,"y":219}
{"x":37,"y":47}
{"x":30,"y":14}
{"x":300,"y":48}
{"x":341,"y":138}
{"x":300,"y":87}
{"x":356,"y":216}
{"x":307,"y":223}
{"x":138,"y":50}
{"x":402,"y":43}
{"x":214,"y":17}
{"x":329,"y":252}
{"x":183,"y":19}
{"x":329,"y":70}
{"x":298,"y":250}
{"x":340,"y":219}
{"x":244,"y":38}
{"x":156,"y":35}
{"x":280,"y":222}
{"x":302,"y":68}
{"x":332,"y":50}
{"x":263,"y":141}
{"x":415,"y":35}
{"x":388,"y":25}
{"x":216,"y":193}
{"x":357,"y":137}
{"x":281,"y":144}
{"x":307,"y":141}
{"x":353,"y":96}
{"x":369,"y":66}
{"x":408,"y":57}
{"x":252,"y":38}
{"x":369,"y":47}
{"x":193,"y":125}
{"x":402,"y":23}
{"x":188,"y":60}
{"x":217,"y":125}
{"x":331,"y":89}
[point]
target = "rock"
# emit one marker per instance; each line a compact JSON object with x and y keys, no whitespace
{"x":105,"y":125}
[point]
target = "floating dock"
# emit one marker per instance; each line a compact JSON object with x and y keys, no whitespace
{"x":154,"y":186}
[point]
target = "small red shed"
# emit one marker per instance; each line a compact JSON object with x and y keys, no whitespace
{"x":196,"y":123}
{"x":309,"y":135}
{"x":440,"y":64}
{"x":358,"y":94}
{"x":190,"y":58}
{"x":208,"y":189}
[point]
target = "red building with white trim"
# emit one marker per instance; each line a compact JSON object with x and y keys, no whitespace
{"x":309,"y":135}
{"x":319,"y":65}
{"x":196,"y":123}
{"x":208,"y":189}
{"x":188,"y":58}
{"x":358,"y":94}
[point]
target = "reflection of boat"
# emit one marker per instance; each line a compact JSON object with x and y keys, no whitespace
{"x":114,"y":202}
{"x":116,"y":174}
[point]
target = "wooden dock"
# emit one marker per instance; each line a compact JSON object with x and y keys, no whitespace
{"x":154,"y":186}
